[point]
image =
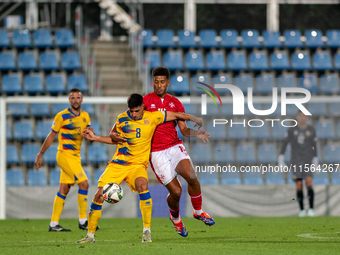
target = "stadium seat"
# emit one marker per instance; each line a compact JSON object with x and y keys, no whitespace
{"x":271,"y":39}
{"x":201,"y":154}
{"x":55,"y":84}
{"x":29,"y":153}
{"x":291,"y":110}
{"x":49,"y":61}
{"x":247,"y":112}
{"x":88,"y":175}
{"x":56,"y":108}
{"x":54,"y":177}
{"x":15,"y":177}
{"x":191,"y":109}
{"x":222,"y":79}
{"x":96,"y":127}
{"x":208,"y":38}
{"x":154,"y":59}
{"x":229,"y":38}
{"x":195,"y":85}
{"x":317,"y":109}
{"x":314,"y":39}
{"x":208,"y":177}
{"x":27,"y":61}
{"x":218,"y":132}
{"x":173,"y":60}
{"x":238,"y":132}
{"x":50,"y":156}
{"x":165,"y":38}
{"x":329,"y":84}
{"x":42,"y":38}
{"x":237,"y":61}
{"x":284,"y":81}
{"x":147,"y":35}
{"x":40,"y":110}
{"x":11,"y":84}
{"x":88,"y":108}
{"x":333,"y":38}
{"x":320,"y":177}
{"x":216,"y":61}
{"x":265,"y":84}
{"x":292,"y":39}
{"x":64,"y":38}
{"x":43,"y":128}
{"x":70,"y":61}
{"x":245,"y":154}
{"x":258,"y":61}
{"x":9,"y":135}
{"x":244,"y":82}
{"x":325,"y":129}
{"x":179,"y":84}
{"x":335,"y":177}
{"x":279,"y":61}
{"x":97,"y":153}
{"x":33,"y":84}
{"x":223,"y":153}
{"x":301,"y":61}
{"x":186,"y":39}
{"x":334,"y":109}
{"x":230,"y":178}
{"x":260,"y":133}
{"x":7,"y":61}
{"x":97,"y":174}
{"x":77,"y":81}
{"x":331,"y":153}
{"x":227,"y":109}
{"x":4,"y":39}
{"x":22,"y":39}
{"x":275,"y":177}
{"x":213,"y":111}
{"x":322,"y":61}
{"x":250,"y":38}
{"x":337,"y":61}
{"x":279,"y":131}
{"x":277,"y":111}
{"x":309,"y":82}
{"x":23,"y":130}
{"x":83,"y":157}
{"x":12,"y":156}
{"x":17,"y":110}
{"x":267,"y":153}
{"x":194,"y":61}
{"x":36,"y":178}
{"x":252,"y":178}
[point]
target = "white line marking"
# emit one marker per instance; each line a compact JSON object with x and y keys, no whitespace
{"x":315,"y":235}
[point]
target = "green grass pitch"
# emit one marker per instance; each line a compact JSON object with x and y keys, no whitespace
{"x":244,"y":235}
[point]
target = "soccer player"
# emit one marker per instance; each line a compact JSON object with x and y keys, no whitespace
{"x":130,"y":161}
{"x":302,"y":139}
{"x":69,"y":125}
{"x":168,"y":155}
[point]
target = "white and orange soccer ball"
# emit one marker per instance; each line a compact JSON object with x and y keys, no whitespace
{"x":112,"y":193}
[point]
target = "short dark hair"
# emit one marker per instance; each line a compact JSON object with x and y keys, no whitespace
{"x":134,"y":100}
{"x":161,"y":71}
{"x":75,"y":90}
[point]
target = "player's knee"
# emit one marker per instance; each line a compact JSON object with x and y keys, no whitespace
{"x":84,"y":185}
{"x":193,"y":182}
{"x":142,"y":187}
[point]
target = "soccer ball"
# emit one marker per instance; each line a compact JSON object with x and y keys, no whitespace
{"x":112,"y":193}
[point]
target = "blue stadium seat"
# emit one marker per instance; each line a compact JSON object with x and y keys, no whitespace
{"x":54,"y":177}
{"x":173,"y":60}
{"x":279,"y":131}
{"x":244,"y":82}
{"x":277,"y":111}
{"x":40,"y":110}
{"x":12,"y":156}
{"x":279,"y":61}
{"x":11,"y":84}
{"x":42,"y":38}
{"x":22,"y":39}
{"x":179,"y":84}
{"x":96,"y":127}
{"x":309,"y":82}
{"x":194,"y":61}
{"x":70,"y":61}
{"x":33,"y":84}
{"x":201,"y":154}
{"x":223,"y":153}
{"x":333,"y":38}
{"x":314,"y":39}
{"x":320,"y":177}
{"x":231,"y":178}
{"x":147,"y":35}
{"x":191,"y":109}
{"x":17,"y":110}
{"x":218,"y":132}
{"x":165,"y":38}
{"x":186,"y":39}
{"x":222,"y":79}
{"x":9,"y":135}
{"x":317,"y":109}
{"x":27,"y":61}
{"x":29,"y":153}
{"x":252,"y":178}
{"x":260,"y":133}
{"x":56,"y":108}
{"x":88,"y":175}
{"x":267,"y":153}
{"x":250,"y":38}
{"x":208,"y":178}
{"x":195,"y":79}
{"x":247,"y":112}
{"x":337,"y":61}
{"x":83,"y":158}
{"x":271,"y":39}
{"x":331,"y":153}
{"x":50,"y":155}
{"x":15,"y":177}
{"x":264,"y":84}
{"x":216,"y":61}
{"x":275,"y":178}
{"x":64,"y":38}
{"x":36,"y":178}
{"x":55,"y":84}
{"x":335,"y":177}
{"x":329,"y":84}
{"x":7,"y":61}
{"x":97,"y":174}
{"x":97,"y":153}
{"x":49,"y":61}
{"x":301,"y":61}
{"x":154,"y":59}
{"x":77,"y":81}
{"x":4,"y":39}
{"x":237,"y":61}
{"x":23,"y":130}
{"x":88,"y":108}
{"x":322,"y":61}
{"x":245,"y":154}
{"x":325,"y":129}
{"x":292,"y":39}
{"x":258,"y":61}
{"x":287,"y":80}
{"x":334,"y":109}
{"x":208,"y":38}
{"x":291,"y":110}
{"x":43,"y":128}
{"x":238,"y":132}
{"x":229,"y":38}
{"x":213,"y":111}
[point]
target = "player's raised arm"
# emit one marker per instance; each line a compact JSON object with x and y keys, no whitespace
{"x":89,"y":135}
{"x":170,"y":116}
{"x":189,"y":132}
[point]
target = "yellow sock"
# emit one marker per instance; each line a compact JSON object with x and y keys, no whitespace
{"x":94,"y":216}
{"x":58,"y":206}
{"x":82,"y":203}
{"x":145,"y":205}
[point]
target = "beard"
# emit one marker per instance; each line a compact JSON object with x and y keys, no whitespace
{"x":76,"y":108}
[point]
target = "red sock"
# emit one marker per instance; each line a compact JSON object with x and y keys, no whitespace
{"x":196,"y":201}
{"x":174,"y":212}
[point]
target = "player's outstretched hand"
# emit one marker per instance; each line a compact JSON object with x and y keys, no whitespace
{"x":89,"y":135}
{"x":115,"y":137}
{"x":38,"y":162}
{"x":203,"y":135}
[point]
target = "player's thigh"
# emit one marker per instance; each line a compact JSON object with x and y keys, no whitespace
{"x":185,"y":169}
{"x":136,"y":172}
{"x":309,"y":181}
{"x":181,"y":162}
{"x":71,"y":169}
{"x":161,"y":166}
{"x":113,"y":173}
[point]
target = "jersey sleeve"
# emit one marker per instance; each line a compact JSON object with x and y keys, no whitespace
{"x":158,"y":117}
{"x":57,"y":123}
